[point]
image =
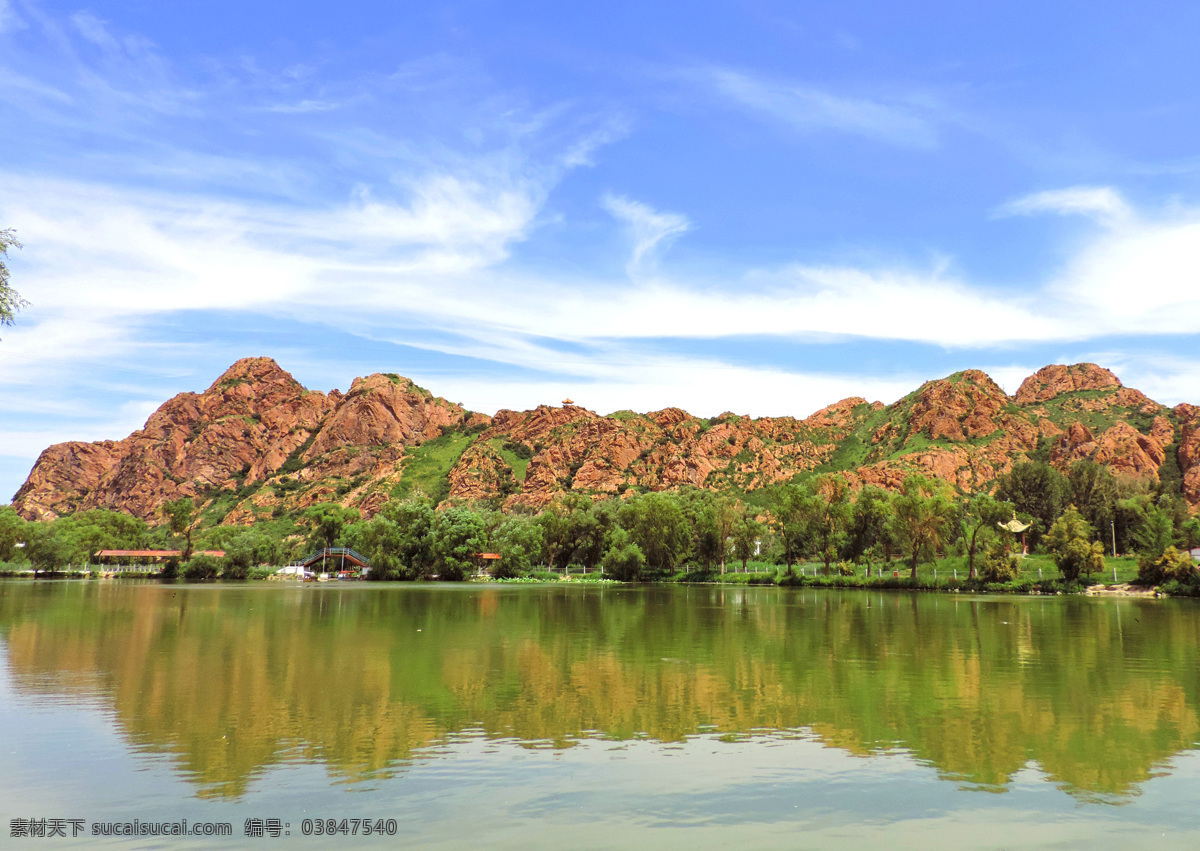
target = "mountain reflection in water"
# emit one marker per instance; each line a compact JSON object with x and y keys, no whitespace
{"x":230,"y":680}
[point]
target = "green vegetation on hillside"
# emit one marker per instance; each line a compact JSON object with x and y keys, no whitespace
{"x":427,"y":467}
{"x":811,"y":530}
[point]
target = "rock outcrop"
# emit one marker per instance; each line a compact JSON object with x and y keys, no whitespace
{"x":257,"y":444}
{"x":253,"y":421}
{"x":1057,"y":379}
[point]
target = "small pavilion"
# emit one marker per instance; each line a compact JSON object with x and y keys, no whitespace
{"x":1017,"y":528}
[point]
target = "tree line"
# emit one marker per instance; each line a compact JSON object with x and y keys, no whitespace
{"x":1076,"y":517}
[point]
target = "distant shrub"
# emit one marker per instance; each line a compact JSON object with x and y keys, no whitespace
{"x":997,"y":565}
{"x":505,"y":570}
{"x":201,"y":567}
{"x":521,"y":450}
{"x":1171,"y":566}
{"x":235,"y":571}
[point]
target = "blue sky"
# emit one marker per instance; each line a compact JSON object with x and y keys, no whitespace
{"x":760,"y":207}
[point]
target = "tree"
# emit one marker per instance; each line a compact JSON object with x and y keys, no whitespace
{"x":1093,"y":490}
{"x":1170,"y":565}
{"x":1037,"y":489}
{"x":658,"y":526}
{"x":585,"y":529}
{"x":556,"y":533}
{"x":458,"y":535}
{"x":10,"y":299}
{"x":49,"y":546}
{"x":980,"y":516}
{"x":623,"y":559}
{"x":13,"y":529}
{"x":791,"y":519}
{"x":519,"y":543}
{"x":1070,"y":540}
{"x":414,"y":519}
{"x":379,"y":540}
{"x":831,"y":515}
{"x":327,"y":520}
{"x":180,"y":517}
{"x":708,"y":545}
{"x":869,"y":522}
{"x":922,"y":517}
{"x":238,"y":558}
{"x":1153,"y":529}
{"x":746,"y":534}
{"x":1000,"y":563}
{"x":201,"y":568}
{"x":726,"y":517}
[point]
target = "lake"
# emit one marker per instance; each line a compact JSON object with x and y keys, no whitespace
{"x":572,"y":716}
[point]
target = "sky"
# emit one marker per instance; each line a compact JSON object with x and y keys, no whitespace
{"x":759,"y":207}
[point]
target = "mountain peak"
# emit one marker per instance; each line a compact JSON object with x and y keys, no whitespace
{"x":1053,"y":380}
{"x":256,"y":371}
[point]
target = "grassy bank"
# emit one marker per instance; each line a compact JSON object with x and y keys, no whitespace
{"x":1038,"y":575}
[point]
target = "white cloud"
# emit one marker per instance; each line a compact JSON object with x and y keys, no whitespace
{"x":701,"y":387}
{"x":1140,"y":276}
{"x":650,"y":229}
{"x":1099,"y":202}
{"x":303,"y":106}
{"x":808,"y":108}
{"x":29,"y":443}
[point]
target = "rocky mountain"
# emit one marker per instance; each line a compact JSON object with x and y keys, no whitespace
{"x":256,"y":444}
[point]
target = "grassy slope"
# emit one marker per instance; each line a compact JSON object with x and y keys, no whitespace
{"x":428,"y":466}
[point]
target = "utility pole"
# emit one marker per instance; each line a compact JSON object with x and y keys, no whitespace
{"x":1113,"y":523}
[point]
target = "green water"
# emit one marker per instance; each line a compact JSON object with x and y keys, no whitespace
{"x":553,"y":716}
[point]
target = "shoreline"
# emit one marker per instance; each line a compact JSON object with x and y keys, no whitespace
{"x":1041,"y":588}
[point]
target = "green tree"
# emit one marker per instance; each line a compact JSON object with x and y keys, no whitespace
{"x":623,"y":558}
{"x":791,"y":519}
{"x":1038,"y":490}
{"x":326,"y":520}
{"x":869,"y":530}
{"x":414,"y":520}
{"x":245,"y":548}
{"x":1093,"y":490}
{"x":832,"y":511}
{"x":708,"y":546}
{"x":1152,"y":529}
{"x":1070,"y":540}
{"x":1170,"y":565}
{"x":201,"y":568}
{"x":999,"y":562}
{"x":13,"y":529}
{"x":49,"y":546}
{"x":980,"y":515}
{"x":379,"y":540}
{"x":519,"y":543}
{"x":458,"y":536}
{"x":747,"y":532}
{"x":556,"y":534}
{"x":657,"y":524}
{"x":586,"y":528}
{"x":1190,"y":533}
{"x":725,"y":517}
{"x":180,"y":515}
{"x":921,"y":520}
{"x":10,"y":299}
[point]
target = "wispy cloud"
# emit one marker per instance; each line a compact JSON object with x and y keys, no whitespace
{"x":808,"y":109}
{"x":650,"y":229}
{"x":1102,"y":203}
{"x":302,"y":107}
